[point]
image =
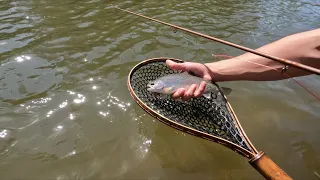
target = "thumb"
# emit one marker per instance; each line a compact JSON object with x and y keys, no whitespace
{"x":176,"y":66}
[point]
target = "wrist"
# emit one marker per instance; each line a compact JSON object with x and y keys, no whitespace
{"x":221,"y":71}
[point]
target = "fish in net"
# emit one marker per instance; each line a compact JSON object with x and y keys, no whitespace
{"x":211,"y":116}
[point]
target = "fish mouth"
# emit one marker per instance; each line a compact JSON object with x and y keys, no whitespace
{"x":149,"y":87}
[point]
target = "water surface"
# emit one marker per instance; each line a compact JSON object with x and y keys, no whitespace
{"x":66,"y":113}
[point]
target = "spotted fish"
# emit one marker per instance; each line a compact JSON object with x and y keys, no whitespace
{"x":170,"y":83}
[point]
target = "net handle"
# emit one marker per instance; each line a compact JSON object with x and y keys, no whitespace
{"x":267,"y":168}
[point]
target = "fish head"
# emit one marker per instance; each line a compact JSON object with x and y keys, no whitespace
{"x":155,"y":86}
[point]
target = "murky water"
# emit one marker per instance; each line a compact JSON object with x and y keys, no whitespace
{"x":66,"y":112}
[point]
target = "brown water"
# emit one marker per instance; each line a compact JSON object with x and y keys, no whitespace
{"x":66,"y":113}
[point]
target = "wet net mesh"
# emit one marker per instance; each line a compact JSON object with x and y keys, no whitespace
{"x":206,"y":115}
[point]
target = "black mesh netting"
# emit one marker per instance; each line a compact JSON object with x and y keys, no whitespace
{"x":206,"y":115}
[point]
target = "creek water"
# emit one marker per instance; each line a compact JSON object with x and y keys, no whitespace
{"x":66,"y":112}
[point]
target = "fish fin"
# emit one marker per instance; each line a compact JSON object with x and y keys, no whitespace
{"x":207,"y":95}
{"x":166,"y":90}
{"x":163,"y":96}
{"x":226,"y":91}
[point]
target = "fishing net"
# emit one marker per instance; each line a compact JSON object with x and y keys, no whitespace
{"x":211,"y":116}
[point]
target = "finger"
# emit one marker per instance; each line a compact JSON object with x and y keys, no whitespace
{"x":200,"y":90}
{"x":178,"y":93}
{"x":207,"y":77}
{"x":189,"y":93}
{"x":176,"y":66}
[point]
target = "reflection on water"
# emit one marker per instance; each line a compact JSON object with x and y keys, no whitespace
{"x":7,"y":141}
{"x":66,"y":113}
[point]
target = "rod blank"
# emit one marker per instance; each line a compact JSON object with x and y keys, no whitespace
{"x":281,"y":60}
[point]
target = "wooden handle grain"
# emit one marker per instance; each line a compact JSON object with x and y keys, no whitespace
{"x":267,"y":168}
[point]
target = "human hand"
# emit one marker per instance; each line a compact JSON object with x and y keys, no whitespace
{"x":199,"y":70}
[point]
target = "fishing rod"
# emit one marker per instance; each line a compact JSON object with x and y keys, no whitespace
{"x":281,"y":60}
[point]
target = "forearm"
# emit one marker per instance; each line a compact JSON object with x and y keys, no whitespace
{"x":252,"y":68}
{"x":236,"y":69}
{"x":303,"y":48}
